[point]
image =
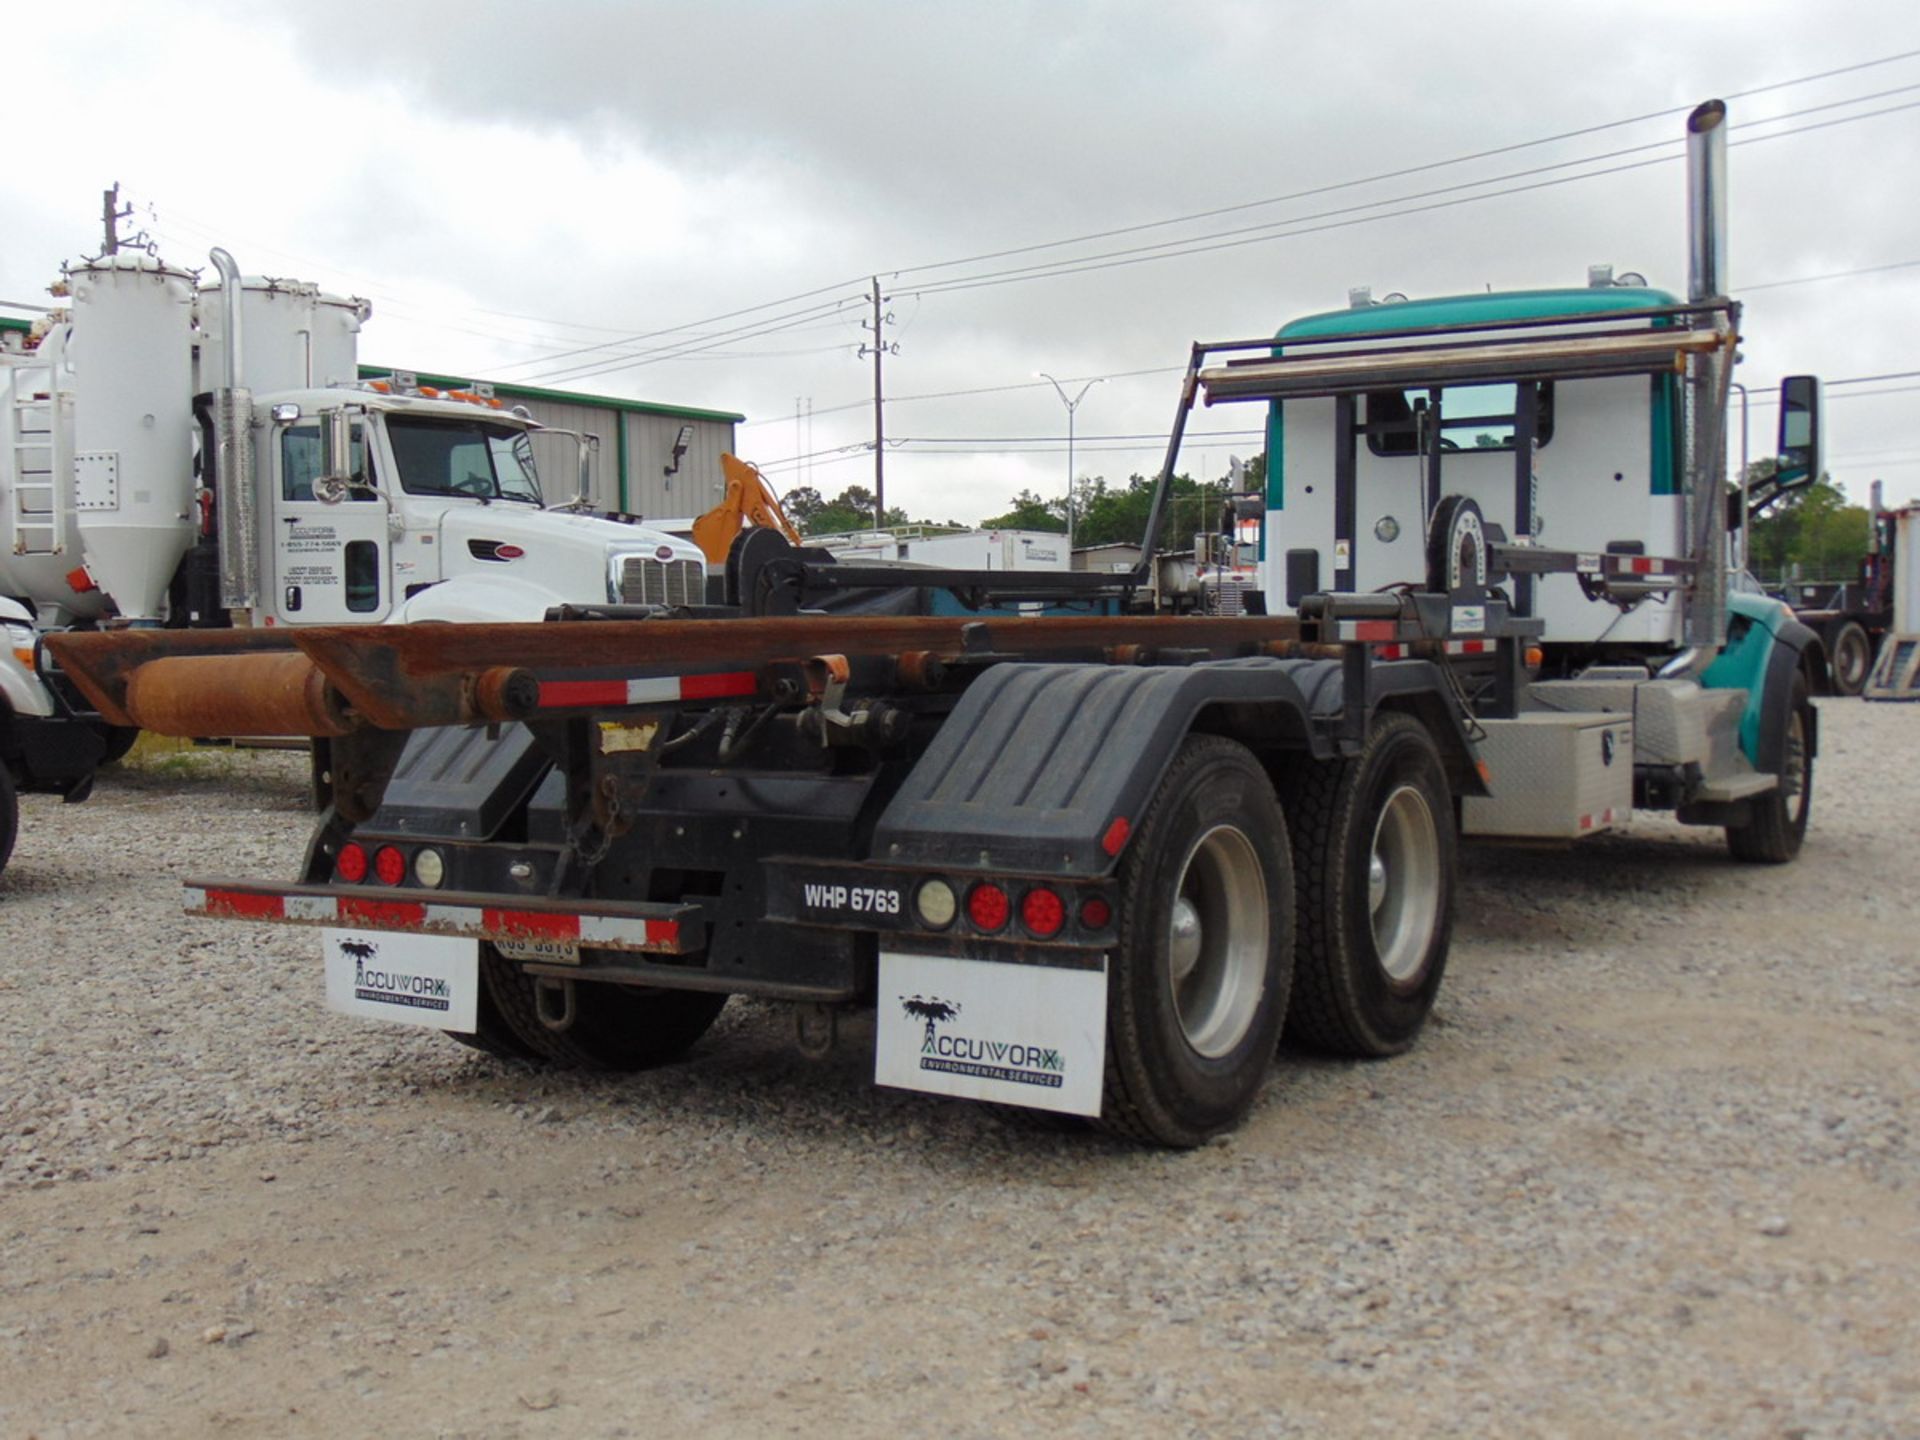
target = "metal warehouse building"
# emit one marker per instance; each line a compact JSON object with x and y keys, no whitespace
{"x":660,"y":462}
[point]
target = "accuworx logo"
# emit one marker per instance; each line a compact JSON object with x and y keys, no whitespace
{"x":1008,"y":1060}
{"x":416,"y":992}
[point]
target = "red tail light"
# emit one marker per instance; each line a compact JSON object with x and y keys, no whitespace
{"x":1043,"y":912}
{"x":351,"y":866}
{"x":988,"y":907}
{"x":1096,"y":914}
{"x":390,"y":865}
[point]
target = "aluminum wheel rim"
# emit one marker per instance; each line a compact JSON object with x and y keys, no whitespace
{"x":1794,"y":777}
{"x":1852,"y":659}
{"x":1403,"y":883}
{"x":1217,"y":941}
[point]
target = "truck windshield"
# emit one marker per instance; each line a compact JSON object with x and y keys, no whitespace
{"x":463,"y":457}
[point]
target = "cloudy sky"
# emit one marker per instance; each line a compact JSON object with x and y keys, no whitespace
{"x":685,"y":203}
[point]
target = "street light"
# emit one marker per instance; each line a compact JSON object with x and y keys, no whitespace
{"x":1072,"y":405}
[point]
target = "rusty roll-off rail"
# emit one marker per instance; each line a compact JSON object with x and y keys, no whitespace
{"x":330,"y":680}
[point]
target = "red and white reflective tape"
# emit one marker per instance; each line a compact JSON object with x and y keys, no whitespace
{"x":652,"y":690}
{"x":1597,"y":822}
{"x":1366,"y":629}
{"x":1453,"y":647}
{"x":601,"y":931}
{"x":1640,"y":565}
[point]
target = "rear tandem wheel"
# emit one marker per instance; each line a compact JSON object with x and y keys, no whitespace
{"x":1373,"y":859}
{"x":1199,"y":980}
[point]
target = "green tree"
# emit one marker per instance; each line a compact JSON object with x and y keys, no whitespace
{"x":851,"y":509}
{"x":1030,"y":512}
{"x":1814,"y":528}
{"x":1111,"y":515}
{"x":802,"y":504}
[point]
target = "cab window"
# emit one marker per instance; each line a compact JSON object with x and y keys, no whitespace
{"x":300,"y":456}
{"x":474,"y":458}
{"x":1472,"y":417}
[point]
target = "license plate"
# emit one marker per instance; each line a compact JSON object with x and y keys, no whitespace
{"x":431,"y":980}
{"x":1031,"y":1035}
{"x":549,"y":952}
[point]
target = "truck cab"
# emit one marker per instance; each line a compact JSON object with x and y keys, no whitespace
{"x":1352,"y":478}
{"x":436,"y":512}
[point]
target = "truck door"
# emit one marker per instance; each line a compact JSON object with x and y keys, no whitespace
{"x":329,"y":560}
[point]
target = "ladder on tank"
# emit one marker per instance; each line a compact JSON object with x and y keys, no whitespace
{"x":33,"y":508}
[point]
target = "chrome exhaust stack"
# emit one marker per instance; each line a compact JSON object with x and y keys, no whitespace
{"x":231,"y":463}
{"x":1709,"y":378}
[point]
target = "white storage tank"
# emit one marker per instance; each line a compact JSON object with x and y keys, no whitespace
{"x":39,"y":546}
{"x":292,"y":337}
{"x":336,"y":339}
{"x":132,"y":356}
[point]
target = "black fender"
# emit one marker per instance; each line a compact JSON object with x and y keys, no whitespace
{"x":1045,"y":769}
{"x":1795,"y":650}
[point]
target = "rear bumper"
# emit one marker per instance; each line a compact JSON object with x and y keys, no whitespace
{"x":656,"y":929}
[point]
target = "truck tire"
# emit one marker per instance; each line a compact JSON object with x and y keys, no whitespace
{"x":1852,"y":658}
{"x":1198,"y":987}
{"x":116,"y":741}
{"x":9,"y":815}
{"x":1777,"y":821}
{"x":615,"y":1027}
{"x":491,"y":1034}
{"x":1373,"y":859}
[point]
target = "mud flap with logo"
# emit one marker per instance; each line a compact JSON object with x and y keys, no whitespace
{"x":1015,"y":1034}
{"x":431,"y":980}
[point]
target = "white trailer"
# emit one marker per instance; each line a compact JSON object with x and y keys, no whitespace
{"x":952,"y":549}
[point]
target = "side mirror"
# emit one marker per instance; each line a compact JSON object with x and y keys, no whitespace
{"x":1801,"y":446}
{"x":336,"y":458}
{"x":589,"y":453}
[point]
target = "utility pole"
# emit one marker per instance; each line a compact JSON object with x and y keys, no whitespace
{"x":1072,"y":405}
{"x":111,"y":214}
{"x":879,"y":348}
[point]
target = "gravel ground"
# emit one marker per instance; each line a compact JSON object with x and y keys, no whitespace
{"x":1652,"y":1170}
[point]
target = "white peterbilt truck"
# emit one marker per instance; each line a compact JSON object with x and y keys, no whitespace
{"x":192,"y":455}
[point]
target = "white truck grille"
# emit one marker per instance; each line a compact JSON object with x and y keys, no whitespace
{"x":646,"y":581}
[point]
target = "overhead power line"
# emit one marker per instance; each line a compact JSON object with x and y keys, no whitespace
{"x":1345,"y":217}
{"x":1402,"y":173}
{"x":1240,"y":207}
{"x":693,"y":340}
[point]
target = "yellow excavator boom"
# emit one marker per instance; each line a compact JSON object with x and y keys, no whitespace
{"x":749,"y":500}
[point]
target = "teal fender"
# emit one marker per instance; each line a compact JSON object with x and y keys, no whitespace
{"x":1762,"y":656}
